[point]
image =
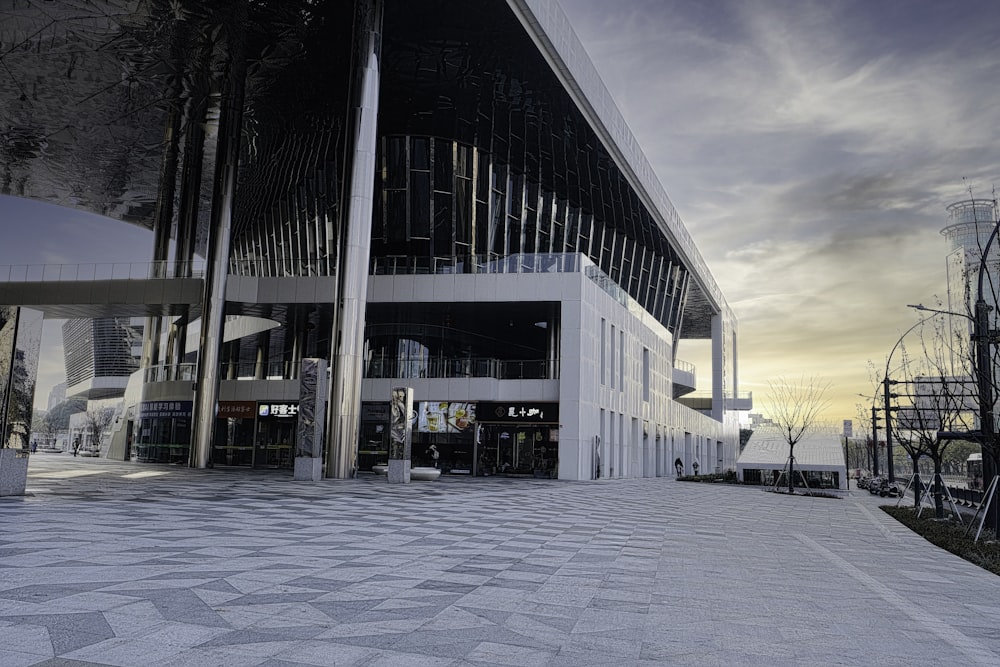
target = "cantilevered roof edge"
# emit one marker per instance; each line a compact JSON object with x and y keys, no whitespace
{"x":555,"y":38}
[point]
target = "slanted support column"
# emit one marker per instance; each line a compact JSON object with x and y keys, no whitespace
{"x":400,"y":435}
{"x":219,"y":240}
{"x":343,"y":416}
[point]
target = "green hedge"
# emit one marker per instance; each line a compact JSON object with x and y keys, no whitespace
{"x":950,"y":535}
{"x":728,"y":477}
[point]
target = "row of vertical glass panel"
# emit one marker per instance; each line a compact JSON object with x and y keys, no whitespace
{"x":440,"y":198}
{"x":441,"y":202}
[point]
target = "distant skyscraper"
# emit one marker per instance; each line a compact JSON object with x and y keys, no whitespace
{"x":970,"y":223}
{"x":100,"y":354}
{"x":56,"y":395}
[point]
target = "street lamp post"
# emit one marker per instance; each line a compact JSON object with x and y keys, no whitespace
{"x":982,"y":338}
{"x":874,"y":448}
{"x":888,"y":395}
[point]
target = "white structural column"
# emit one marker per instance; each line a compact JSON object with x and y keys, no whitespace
{"x":219,"y":240}
{"x":718,"y":369}
{"x":343,"y":412}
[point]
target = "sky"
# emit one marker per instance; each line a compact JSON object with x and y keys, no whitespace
{"x":809,"y":147}
{"x":38,"y":233}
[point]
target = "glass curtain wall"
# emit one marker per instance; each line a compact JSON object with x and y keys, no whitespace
{"x":446,"y":207}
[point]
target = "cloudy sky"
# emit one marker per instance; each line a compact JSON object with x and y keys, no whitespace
{"x":37,"y":233}
{"x":810,"y":148}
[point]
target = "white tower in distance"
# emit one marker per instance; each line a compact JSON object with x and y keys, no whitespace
{"x":970,"y":224}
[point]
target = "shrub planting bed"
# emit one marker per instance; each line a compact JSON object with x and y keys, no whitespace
{"x":950,"y":535}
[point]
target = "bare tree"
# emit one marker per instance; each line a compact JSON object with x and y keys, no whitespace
{"x":940,"y":403}
{"x":45,"y":428}
{"x":859,"y":449}
{"x":979,"y":356}
{"x":795,"y":408}
{"x":98,"y":421}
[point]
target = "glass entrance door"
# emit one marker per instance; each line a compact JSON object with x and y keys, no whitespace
{"x":275,"y":440}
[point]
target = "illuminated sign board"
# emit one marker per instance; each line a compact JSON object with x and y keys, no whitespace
{"x":161,"y":409}
{"x":236,"y":410}
{"x":277,"y":409}
{"x":518,"y":413}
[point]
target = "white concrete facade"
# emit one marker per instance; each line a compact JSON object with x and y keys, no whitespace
{"x":616,"y":410}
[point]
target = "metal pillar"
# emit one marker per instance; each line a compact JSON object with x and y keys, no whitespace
{"x":888,"y":431}
{"x":984,"y":381}
{"x":344,"y":407}
{"x":217,"y":266}
{"x":874,"y":441}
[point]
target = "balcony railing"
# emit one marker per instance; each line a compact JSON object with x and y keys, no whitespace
{"x":498,"y":369}
{"x":490,"y":263}
{"x":281,"y":267}
{"x":172,"y":373}
{"x":685,"y":366}
{"x":249,"y":370}
{"x":21,"y":273}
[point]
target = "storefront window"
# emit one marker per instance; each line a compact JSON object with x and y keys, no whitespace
{"x":164,"y":432}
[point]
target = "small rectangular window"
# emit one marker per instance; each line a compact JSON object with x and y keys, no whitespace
{"x":645,"y":373}
{"x":613,"y":355}
{"x":621,"y":361}
{"x":604,"y":326}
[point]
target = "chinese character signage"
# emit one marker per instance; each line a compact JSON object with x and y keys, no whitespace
{"x":277,"y":409}
{"x":237,"y":410}
{"x":518,"y":413}
{"x":444,"y":417}
{"x":161,"y":409}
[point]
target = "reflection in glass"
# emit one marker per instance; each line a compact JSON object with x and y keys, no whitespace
{"x":20,"y":341}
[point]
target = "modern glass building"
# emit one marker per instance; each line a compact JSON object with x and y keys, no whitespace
{"x":100,"y":355}
{"x":434,"y":195}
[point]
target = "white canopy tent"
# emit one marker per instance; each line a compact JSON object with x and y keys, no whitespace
{"x":819,"y":457}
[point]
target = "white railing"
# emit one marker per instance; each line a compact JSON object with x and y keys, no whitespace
{"x":21,"y":273}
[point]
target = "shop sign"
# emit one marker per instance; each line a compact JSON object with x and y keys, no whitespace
{"x":444,"y":417}
{"x":160,"y":409}
{"x":375,"y":412}
{"x":277,"y":409}
{"x":518,"y":413}
{"x":236,"y":410}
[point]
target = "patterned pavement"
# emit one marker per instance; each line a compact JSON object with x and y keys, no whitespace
{"x":109,"y":563}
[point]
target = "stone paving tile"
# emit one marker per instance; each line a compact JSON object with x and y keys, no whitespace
{"x":172,"y":567}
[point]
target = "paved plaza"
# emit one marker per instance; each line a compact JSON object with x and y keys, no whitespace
{"x":108,"y":563}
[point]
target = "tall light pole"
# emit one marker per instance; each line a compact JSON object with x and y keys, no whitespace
{"x":888,"y":395}
{"x":982,"y":337}
{"x":874,"y":449}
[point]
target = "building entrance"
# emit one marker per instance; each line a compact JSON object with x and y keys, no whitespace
{"x":518,"y":439}
{"x":510,"y":449}
{"x":274,"y":442}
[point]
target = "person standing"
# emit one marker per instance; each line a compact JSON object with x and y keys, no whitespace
{"x":76,"y":445}
{"x":679,"y":466}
